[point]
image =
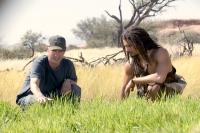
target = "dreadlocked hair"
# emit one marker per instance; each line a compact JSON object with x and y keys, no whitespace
{"x":140,"y":39}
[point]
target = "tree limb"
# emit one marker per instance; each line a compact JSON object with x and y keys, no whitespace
{"x":113,"y":16}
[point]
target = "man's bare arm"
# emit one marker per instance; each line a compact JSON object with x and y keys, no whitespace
{"x":128,"y":75}
{"x":163,"y":67}
{"x":34,"y":86}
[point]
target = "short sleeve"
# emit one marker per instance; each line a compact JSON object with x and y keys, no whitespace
{"x":71,"y":71}
{"x":37,"y":69}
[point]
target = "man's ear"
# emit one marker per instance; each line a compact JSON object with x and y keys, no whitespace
{"x":47,"y":49}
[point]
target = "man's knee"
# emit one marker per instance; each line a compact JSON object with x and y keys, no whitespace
{"x":27,"y":100}
{"x":75,"y":93}
{"x":76,"y":90}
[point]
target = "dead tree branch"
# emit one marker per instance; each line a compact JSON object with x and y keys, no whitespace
{"x":106,"y":60}
{"x":28,"y":63}
{"x":31,"y":47}
{"x":141,"y":10}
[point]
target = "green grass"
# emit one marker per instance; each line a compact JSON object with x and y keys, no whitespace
{"x":98,"y":115}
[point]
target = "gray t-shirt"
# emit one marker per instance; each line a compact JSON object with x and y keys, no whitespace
{"x":50,"y":80}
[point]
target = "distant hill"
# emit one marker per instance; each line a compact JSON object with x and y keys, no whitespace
{"x":168,"y":32}
{"x":176,"y":22}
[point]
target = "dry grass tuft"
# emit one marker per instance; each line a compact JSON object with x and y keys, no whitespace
{"x":102,"y":81}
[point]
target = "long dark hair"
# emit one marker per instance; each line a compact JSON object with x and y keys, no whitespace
{"x":140,"y":39}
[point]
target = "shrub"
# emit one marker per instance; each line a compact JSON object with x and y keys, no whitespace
{"x":18,"y":53}
{"x":177,"y":37}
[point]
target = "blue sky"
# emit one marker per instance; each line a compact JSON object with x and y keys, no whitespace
{"x":52,"y":17}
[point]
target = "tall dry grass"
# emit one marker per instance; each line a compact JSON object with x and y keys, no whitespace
{"x":102,"y":81}
{"x":10,"y":82}
{"x":95,"y":82}
{"x":188,"y":67}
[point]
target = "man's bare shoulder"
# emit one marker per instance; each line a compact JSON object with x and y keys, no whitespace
{"x":163,"y":59}
{"x":128,"y":68}
{"x":162,"y":50}
{"x":161,"y":53}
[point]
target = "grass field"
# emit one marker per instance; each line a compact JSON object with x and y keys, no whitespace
{"x":100,"y":109}
{"x":100,"y":115}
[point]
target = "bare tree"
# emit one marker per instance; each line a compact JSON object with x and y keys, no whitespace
{"x":29,"y":39}
{"x":141,"y":9}
{"x":188,"y":44}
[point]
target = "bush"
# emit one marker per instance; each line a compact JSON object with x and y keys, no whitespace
{"x":40,"y":47}
{"x":18,"y":53}
{"x":193,"y":36}
{"x":95,"y":43}
{"x":151,"y":28}
{"x":97,"y":32}
{"x":70,"y":47}
{"x":177,"y":37}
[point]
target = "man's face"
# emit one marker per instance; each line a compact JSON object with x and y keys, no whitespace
{"x":130,"y":48}
{"x":55,"y":56}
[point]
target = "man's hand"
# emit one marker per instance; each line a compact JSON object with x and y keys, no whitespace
{"x":129,"y":86}
{"x":43,"y":99}
{"x":128,"y":89}
{"x":122,"y":95}
{"x":66,"y":87}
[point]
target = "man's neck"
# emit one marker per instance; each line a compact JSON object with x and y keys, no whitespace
{"x":53,"y":65}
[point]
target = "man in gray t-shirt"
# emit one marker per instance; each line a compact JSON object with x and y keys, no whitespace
{"x":50,"y":76}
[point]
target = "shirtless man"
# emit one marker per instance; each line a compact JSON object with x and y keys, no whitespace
{"x":149,"y":65}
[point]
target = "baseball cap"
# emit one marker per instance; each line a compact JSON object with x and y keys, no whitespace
{"x":57,"y":43}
